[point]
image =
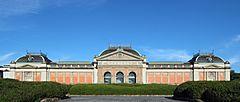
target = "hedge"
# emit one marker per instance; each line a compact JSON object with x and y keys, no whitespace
{"x":210,"y":91}
{"x":228,"y":92}
{"x":18,"y":91}
{"x":122,"y":89}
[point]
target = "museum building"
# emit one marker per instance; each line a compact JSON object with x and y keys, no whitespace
{"x":119,"y":64}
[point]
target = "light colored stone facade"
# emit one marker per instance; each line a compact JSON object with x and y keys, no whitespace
{"x":118,"y":65}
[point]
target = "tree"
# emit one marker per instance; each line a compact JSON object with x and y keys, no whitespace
{"x":234,"y":75}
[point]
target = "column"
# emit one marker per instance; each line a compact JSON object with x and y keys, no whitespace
{"x":144,"y":76}
{"x":195,"y":75}
{"x":227,"y":75}
{"x":95,"y":74}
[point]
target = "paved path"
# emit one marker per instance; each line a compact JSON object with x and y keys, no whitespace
{"x":120,"y":99}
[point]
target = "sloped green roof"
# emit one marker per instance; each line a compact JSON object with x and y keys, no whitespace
{"x":166,"y":62}
{"x":73,"y":62}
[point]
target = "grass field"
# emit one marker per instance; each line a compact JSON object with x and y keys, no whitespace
{"x":122,"y":89}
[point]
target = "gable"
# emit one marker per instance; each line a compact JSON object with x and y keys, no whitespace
{"x":120,"y":55}
{"x":27,"y":66}
{"x":213,"y":66}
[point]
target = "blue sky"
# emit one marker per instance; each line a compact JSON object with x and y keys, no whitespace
{"x":162,"y":30}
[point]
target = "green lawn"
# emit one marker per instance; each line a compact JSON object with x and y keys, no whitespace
{"x":122,"y":89}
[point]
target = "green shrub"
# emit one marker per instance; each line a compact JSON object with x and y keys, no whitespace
{"x":18,"y":91}
{"x":122,"y":89}
{"x":228,"y":92}
{"x":210,"y":91}
{"x":193,"y":89}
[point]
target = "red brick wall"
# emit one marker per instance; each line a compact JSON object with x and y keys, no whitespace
{"x":60,"y":77}
{"x":18,"y":75}
{"x":171,"y":78}
{"x":89,"y":78}
{"x":187,"y":76}
{"x":221,"y":76}
{"x":52,"y":76}
{"x":168,"y":77}
{"x":179,"y":78}
{"x":124,"y":69}
{"x":75,"y":78}
{"x":37,"y":76}
{"x":67,"y":77}
{"x":82,"y":77}
{"x":202,"y":76}
{"x":157,"y":78}
{"x":150,"y":77}
{"x":164,"y":78}
{"x":72,"y":77}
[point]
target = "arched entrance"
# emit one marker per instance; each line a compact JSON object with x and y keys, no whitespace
{"x":107,"y":78}
{"x":132,"y":78}
{"x":120,"y":77}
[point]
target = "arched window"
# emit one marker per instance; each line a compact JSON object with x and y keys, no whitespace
{"x":132,"y":78}
{"x":120,"y":77}
{"x":107,"y":78}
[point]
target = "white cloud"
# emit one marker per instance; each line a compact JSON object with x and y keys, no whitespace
{"x":13,"y":8}
{"x":233,"y":41}
{"x":18,"y":7}
{"x":235,"y":60}
{"x":21,"y":7}
{"x":168,"y":54}
{"x":5,"y":58}
{"x":235,"y":63}
{"x":237,"y":38}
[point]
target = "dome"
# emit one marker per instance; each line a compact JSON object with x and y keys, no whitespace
{"x":127,"y":49}
{"x":206,"y":58}
{"x":34,"y":57}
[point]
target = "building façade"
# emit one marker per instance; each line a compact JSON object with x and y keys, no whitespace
{"x":119,"y":64}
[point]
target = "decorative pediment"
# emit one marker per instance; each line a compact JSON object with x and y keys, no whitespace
{"x":213,"y":66}
{"x":120,"y":55}
{"x":27,"y":66}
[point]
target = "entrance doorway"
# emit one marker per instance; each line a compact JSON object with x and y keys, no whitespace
{"x":120,"y":77}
